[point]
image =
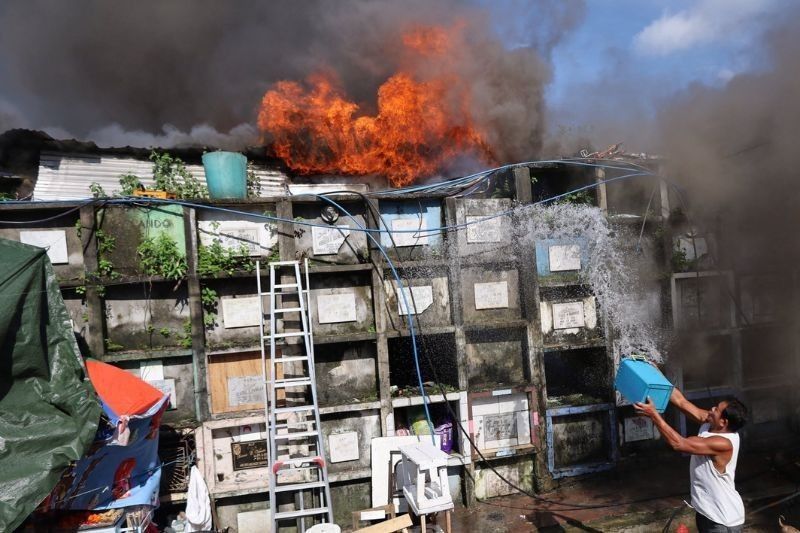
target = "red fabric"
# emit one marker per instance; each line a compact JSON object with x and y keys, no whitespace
{"x":121,"y":391}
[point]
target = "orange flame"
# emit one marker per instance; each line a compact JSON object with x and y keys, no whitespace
{"x":419,"y":127}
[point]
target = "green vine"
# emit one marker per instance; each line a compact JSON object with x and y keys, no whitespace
{"x":160,"y":256}
{"x":209,"y":300}
{"x":579,"y":198}
{"x":215,"y":259}
{"x":129,"y":184}
{"x":97,"y":190}
{"x":170,"y":174}
{"x":253,"y":182}
{"x":185,"y":340}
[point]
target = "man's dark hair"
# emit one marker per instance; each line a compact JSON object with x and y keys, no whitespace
{"x":735,"y":413}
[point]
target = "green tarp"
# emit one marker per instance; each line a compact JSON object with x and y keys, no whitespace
{"x":48,"y":409}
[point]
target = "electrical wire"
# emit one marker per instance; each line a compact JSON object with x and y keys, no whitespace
{"x":425,"y":400}
{"x":565,"y":506}
{"x":470,"y":180}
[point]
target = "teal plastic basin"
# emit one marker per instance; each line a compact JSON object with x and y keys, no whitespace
{"x":226,"y":174}
{"x":637,"y":379}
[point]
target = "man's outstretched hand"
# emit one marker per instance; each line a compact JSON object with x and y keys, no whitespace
{"x":647,"y":409}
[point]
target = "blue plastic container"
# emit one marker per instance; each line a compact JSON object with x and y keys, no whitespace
{"x":226,"y":174}
{"x":638,"y":379}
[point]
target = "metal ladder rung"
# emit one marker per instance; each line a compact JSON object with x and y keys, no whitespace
{"x":297,"y":382}
{"x":296,"y":435}
{"x":298,"y":423}
{"x":285,"y":335}
{"x":287,"y":425}
{"x":297,"y":409}
{"x":300,"y":486}
{"x":290,"y":359}
{"x":298,"y":514}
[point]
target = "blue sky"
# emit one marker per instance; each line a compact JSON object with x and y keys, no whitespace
{"x":627,"y":56}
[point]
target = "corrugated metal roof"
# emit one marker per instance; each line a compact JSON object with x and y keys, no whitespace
{"x":68,"y":176}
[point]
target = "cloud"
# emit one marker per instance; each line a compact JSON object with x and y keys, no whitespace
{"x":708,"y":21}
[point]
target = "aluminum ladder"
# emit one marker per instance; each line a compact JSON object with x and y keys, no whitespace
{"x":294,"y":427}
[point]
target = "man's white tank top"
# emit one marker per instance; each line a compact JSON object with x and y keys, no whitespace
{"x":713,"y":494}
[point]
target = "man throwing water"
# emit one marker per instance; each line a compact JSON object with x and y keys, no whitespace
{"x":712,"y":468}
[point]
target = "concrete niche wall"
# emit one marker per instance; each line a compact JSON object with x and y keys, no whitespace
{"x":346,"y":373}
{"x":60,"y":239}
{"x":581,"y":440}
{"x":495,"y":358}
{"x":487,"y":239}
{"x":426,"y":292}
{"x":490,"y":295}
{"x":577,"y":377}
{"x":347,"y":439}
{"x":173,"y":376}
{"x":569,"y":318}
{"x":561,"y":260}
{"x":234,"y":231}
{"x":338,"y":242}
{"x":237,"y":322}
{"x":517,"y":470}
{"x":341,"y":304}
{"x":145,"y":316}
{"x":348,"y":497}
{"x":131,"y":225}
{"x":410,"y":228}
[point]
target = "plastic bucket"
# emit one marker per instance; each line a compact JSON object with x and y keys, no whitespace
{"x":226,"y":174}
{"x":638,"y":379}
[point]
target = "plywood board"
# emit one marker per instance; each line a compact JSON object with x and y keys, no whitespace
{"x":493,"y":295}
{"x":54,"y":241}
{"x":236,"y":368}
{"x":245,"y":390}
{"x":483,"y":230}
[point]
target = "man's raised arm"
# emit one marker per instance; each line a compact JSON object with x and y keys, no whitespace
{"x":688,"y":408}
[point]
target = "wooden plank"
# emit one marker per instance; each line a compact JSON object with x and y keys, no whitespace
{"x":390,"y":526}
{"x":221,"y":367}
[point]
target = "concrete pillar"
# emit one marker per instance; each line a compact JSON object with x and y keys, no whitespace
{"x":200,"y":375}
{"x":94,"y":305}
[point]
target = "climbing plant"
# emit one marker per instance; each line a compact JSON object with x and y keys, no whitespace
{"x":215,"y":259}
{"x":253,"y":182}
{"x":170,"y":174}
{"x":160,"y":256}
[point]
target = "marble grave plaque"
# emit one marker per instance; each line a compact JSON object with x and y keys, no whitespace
{"x":334,"y":308}
{"x":493,"y":295}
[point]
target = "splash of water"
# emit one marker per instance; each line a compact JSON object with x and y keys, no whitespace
{"x":611,"y":272}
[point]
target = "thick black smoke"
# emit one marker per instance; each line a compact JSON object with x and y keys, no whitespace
{"x":734,"y":150}
{"x":179,"y":71}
